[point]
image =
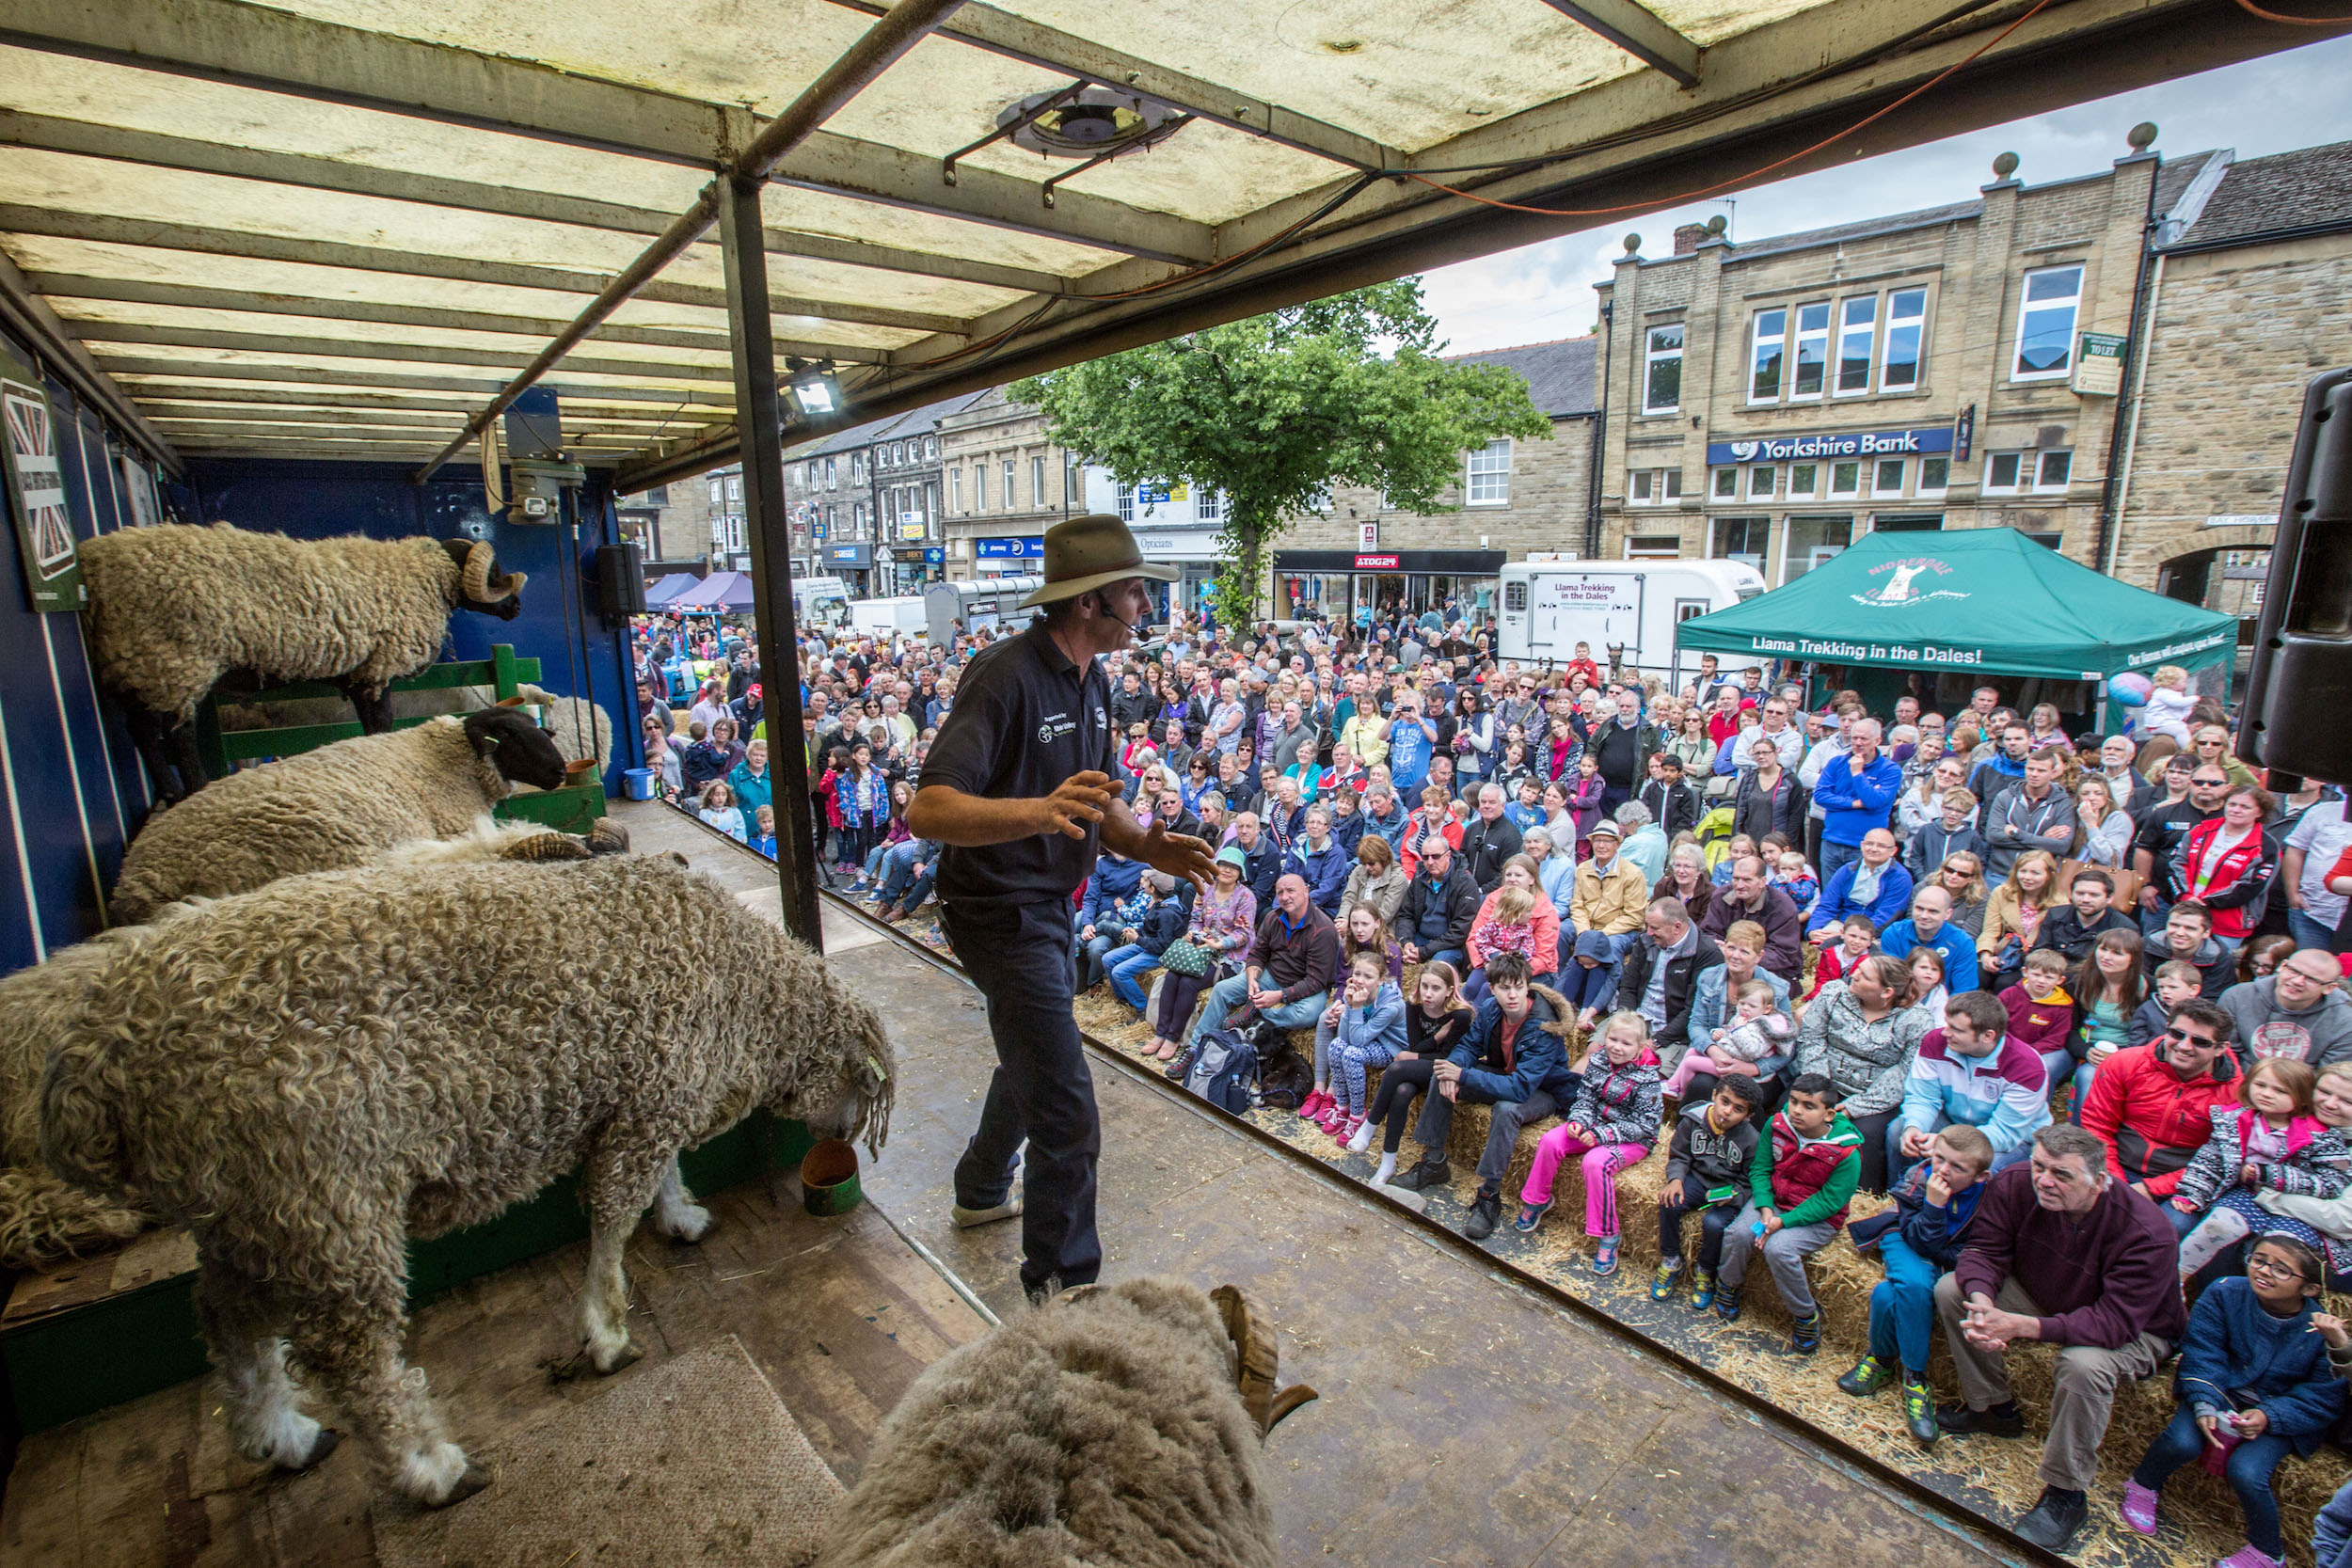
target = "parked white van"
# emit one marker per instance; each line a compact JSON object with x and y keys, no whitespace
{"x":1549,"y":607}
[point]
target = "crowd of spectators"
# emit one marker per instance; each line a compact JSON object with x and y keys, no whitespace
{"x":2071,"y":1004}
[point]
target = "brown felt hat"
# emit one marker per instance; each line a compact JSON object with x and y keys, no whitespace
{"x":1086,"y":553}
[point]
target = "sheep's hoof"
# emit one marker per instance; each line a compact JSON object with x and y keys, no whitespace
{"x":627,"y":1355}
{"x":692,"y":1226}
{"x":476,"y":1477}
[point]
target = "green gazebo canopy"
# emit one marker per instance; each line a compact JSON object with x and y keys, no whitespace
{"x":1986,"y":600}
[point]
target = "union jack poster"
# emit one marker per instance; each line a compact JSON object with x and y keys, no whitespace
{"x":36,"y":484}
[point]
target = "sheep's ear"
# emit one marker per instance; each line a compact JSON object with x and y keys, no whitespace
{"x":509,"y":702}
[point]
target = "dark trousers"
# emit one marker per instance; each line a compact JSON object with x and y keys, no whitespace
{"x":1041,"y":1092}
{"x":1393,"y":1104}
{"x":1713,"y":1217}
{"x":1873,"y":1130}
{"x":2247,"y":1470}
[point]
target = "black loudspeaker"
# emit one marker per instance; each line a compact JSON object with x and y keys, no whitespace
{"x":2293,"y":720}
{"x":620,"y":580}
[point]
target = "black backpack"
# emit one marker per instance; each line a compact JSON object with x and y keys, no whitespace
{"x":1224,"y":1070}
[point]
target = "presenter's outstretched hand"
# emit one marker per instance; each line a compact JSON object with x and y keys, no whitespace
{"x":1180,"y":855}
{"x":1076,"y":804}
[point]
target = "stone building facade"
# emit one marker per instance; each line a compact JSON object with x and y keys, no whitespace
{"x":2246,"y":303}
{"x":865,"y":502}
{"x":1003,"y":484}
{"x":1957,"y":367}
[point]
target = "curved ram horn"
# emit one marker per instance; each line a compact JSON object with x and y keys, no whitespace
{"x":546,"y":847}
{"x":480,"y":583}
{"x":1256,"y":1362}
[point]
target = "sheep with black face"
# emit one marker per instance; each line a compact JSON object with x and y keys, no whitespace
{"x":308,"y":1075}
{"x":175,"y":610}
{"x":342,"y":806}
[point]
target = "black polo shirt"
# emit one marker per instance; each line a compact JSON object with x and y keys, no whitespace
{"x":1025,"y":719}
{"x":2162,"y":832}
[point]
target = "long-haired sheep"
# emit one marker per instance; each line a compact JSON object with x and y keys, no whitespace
{"x":308,"y":1075}
{"x":1121,"y":1424}
{"x":175,"y":608}
{"x":44,"y":1220}
{"x":339,"y":806}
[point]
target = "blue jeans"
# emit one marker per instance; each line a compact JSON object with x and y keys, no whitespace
{"x":1127,"y":966}
{"x":2311,"y":933}
{"x":1041,"y":1093}
{"x":1454,"y":956}
{"x":2247,"y":1470}
{"x":1092,"y":956}
{"x":1230,"y":992}
{"x":1902,"y":1306}
{"x":1835,"y":856}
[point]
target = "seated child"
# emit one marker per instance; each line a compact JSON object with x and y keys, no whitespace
{"x":1528,"y":810}
{"x":2269,"y":1140}
{"x":1506,"y":924}
{"x":1707,"y":1173}
{"x":1141,"y":942}
{"x":2331,"y":1102}
{"x":720,"y":810}
{"x":1759,"y":1030}
{"x":1367,"y":1032}
{"x":2177,"y":980}
{"x":2256,"y":1384}
{"x":1807,"y":1168}
{"x":2042,"y":1014}
{"x":1740,"y":847}
{"x":1856,"y":941}
{"x":1799,"y":881}
{"x":1612,"y":1122}
{"x":2169,"y":705}
{"x":1589,"y":979}
{"x":764,"y":840}
{"x":1919,"y":1238}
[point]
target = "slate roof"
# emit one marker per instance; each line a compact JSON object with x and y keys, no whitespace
{"x":1865,"y":228}
{"x":2308,"y":186}
{"x":1558,"y":374}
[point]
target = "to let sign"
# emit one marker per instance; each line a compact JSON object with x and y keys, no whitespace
{"x":2099,"y":368}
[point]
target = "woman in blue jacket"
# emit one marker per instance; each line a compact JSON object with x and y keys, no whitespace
{"x":2256,"y":1383}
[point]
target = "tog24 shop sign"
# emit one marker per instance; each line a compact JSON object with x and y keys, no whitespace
{"x":1933,"y":441}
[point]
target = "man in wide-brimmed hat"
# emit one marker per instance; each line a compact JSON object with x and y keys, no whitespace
{"x":1018,"y":786}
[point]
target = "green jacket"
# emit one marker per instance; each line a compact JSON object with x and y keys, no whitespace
{"x":1807,"y":1179}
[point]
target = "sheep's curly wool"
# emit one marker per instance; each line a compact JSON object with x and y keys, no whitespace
{"x":1105,"y":1429}
{"x":339,"y":806}
{"x":174,"y":607}
{"x":310,"y":1074}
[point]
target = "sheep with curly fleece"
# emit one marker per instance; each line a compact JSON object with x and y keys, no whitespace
{"x":1121,"y":1424}
{"x":308,"y":1075}
{"x":174,"y":609}
{"x":43,"y":1219}
{"x":342,"y":806}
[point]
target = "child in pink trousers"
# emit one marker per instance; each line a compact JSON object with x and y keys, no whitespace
{"x":1612,"y":1122}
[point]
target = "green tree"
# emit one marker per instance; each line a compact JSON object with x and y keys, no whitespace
{"x":1272,"y":410}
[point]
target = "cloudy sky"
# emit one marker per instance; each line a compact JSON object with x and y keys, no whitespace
{"x":1542,"y":292}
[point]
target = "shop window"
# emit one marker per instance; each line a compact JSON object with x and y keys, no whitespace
{"x":1662,"y":381}
{"x":1845,"y":480}
{"x":1812,"y":352}
{"x":1813,"y":541}
{"x":1906,"y":324}
{"x":1489,"y":475}
{"x":1769,"y":338}
{"x":1741,"y":539}
{"x":1725,"y":486}
{"x":1887,"y":476}
{"x":1936,"y":476}
{"x":1857,"y":334}
{"x":1805,"y":481}
{"x":2045,"y":324}
{"x":1653,"y":547}
{"x":1897,"y":522}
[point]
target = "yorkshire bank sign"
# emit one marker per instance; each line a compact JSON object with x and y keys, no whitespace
{"x":1933,"y":441}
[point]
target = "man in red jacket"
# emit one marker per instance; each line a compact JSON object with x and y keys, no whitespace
{"x":2064,"y":1253}
{"x":2150,"y":1104}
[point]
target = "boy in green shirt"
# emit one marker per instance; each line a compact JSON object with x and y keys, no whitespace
{"x":1804,"y":1172}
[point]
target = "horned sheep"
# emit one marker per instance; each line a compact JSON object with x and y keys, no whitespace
{"x":1118,"y":1425}
{"x":307,"y":1075}
{"x":176,"y":609}
{"x":342,"y":806}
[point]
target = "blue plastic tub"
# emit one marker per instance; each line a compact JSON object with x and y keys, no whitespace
{"x":638,"y":783}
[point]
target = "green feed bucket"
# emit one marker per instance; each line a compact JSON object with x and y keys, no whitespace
{"x":829,"y":1179}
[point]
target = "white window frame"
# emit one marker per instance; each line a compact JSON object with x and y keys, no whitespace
{"x":1012,"y":502}
{"x":1037,"y":483}
{"x":1846,"y":331}
{"x":1486,"y":483}
{"x":1932,"y":486}
{"x":955,"y":491}
{"x":1641,"y":487}
{"x":1800,"y":336}
{"x":1852,"y":492}
{"x":2041,"y":459}
{"x":1916,"y":321}
{"x":1878,"y":470}
{"x":1126,"y":503}
{"x":1717,"y":478}
{"x":833,"y":475}
{"x":1769,"y":331}
{"x":1770,"y":474}
{"x":1993,"y":461}
{"x":1655,"y":356}
{"x":1208,"y":505}
{"x":931,"y":446}
{"x":1657,"y":551}
{"x":979,"y":485}
{"x":1812,"y":473}
{"x":2026,"y":308}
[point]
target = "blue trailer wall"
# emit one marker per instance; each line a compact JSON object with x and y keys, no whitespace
{"x":71,"y":782}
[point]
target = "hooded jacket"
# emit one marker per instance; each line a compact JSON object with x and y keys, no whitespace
{"x":2152,"y":1119}
{"x":1535,"y":1060}
{"x":2313,"y":1166}
{"x":2238,"y":887}
{"x":2233,"y":1344}
{"x":1936,"y":1235}
{"x":1438,"y":916}
{"x":2315,"y":1037}
{"x":1807,"y":1179}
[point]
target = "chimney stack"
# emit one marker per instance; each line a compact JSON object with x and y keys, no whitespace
{"x":1687,"y":237}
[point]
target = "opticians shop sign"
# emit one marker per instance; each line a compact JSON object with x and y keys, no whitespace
{"x":1934,"y":440}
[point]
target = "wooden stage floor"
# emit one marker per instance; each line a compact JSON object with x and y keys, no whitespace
{"x":1465,"y":1420}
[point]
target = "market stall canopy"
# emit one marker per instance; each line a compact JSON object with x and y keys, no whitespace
{"x":730,"y":592}
{"x":1986,"y":599}
{"x":670,"y":586}
{"x":337,"y":228}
